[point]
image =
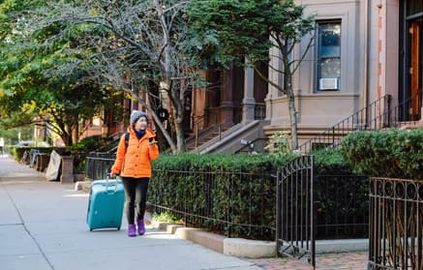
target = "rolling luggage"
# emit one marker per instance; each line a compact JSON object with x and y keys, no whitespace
{"x":105,"y":205}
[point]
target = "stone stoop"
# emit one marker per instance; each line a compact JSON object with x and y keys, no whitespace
{"x":412,"y":124}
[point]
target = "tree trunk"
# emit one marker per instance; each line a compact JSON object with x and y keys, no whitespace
{"x":292,"y":111}
{"x":180,"y":135}
{"x":66,"y":138}
{"x":75,"y":132}
{"x":287,"y":82}
{"x":157,"y":122}
{"x":163,"y":130}
{"x":178,"y":116}
{"x":293,"y":120}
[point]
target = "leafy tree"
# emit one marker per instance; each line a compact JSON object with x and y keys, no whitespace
{"x":244,"y":31}
{"x":36,"y":85}
{"x":145,"y":49}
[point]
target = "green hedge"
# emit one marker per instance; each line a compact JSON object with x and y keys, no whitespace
{"x":331,"y":162}
{"x":223,"y":162}
{"x":89,"y":144}
{"x":393,"y":153}
{"x":250,"y":199}
{"x":216,"y":186}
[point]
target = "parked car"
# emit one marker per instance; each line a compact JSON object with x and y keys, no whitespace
{"x":26,"y":143}
{"x":33,"y":143}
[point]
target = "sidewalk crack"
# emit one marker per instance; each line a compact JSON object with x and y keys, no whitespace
{"x":26,"y":228}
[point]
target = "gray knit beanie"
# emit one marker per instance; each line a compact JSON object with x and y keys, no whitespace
{"x":135,"y":115}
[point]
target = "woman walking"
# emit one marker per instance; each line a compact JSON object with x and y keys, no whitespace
{"x":136,"y":149}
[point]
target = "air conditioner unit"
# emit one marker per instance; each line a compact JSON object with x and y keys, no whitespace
{"x":329,"y":84}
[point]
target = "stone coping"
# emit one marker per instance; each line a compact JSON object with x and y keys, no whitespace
{"x":229,"y":246}
{"x":245,"y":248}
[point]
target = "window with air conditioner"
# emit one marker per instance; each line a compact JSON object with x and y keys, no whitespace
{"x":328,"y":55}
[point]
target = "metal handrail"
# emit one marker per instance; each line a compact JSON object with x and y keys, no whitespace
{"x":211,"y":130}
{"x":260,"y":111}
{"x":198,"y":134}
{"x":377,"y":115}
{"x":356,"y":121}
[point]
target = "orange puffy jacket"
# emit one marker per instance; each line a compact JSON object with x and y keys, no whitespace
{"x":136,"y":160}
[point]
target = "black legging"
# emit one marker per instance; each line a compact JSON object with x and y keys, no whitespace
{"x":136,"y":197}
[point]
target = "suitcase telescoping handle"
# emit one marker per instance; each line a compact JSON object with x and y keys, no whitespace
{"x":108,"y":177}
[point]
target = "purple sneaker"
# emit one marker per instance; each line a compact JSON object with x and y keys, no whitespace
{"x":141,"y":226}
{"x":132,"y":230}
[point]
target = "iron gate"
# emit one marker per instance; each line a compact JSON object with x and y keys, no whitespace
{"x":295,"y":211}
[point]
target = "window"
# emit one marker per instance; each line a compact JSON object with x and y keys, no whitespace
{"x":414,"y":7}
{"x":328,"y":55}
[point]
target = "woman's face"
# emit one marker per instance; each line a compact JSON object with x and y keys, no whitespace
{"x":141,"y":123}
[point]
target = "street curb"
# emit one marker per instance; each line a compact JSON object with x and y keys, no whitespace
{"x":83,"y":186}
{"x":229,"y":246}
{"x":253,"y":249}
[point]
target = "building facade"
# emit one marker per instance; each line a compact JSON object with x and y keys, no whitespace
{"x":363,"y":50}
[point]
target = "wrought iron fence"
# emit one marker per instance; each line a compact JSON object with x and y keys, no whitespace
{"x":396,"y":224}
{"x":380,"y":114}
{"x":295,"y":235}
{"x":243,"y":204}
{"x":342,"y":206}
{"x":235,"y":203}
{"x":98,"y":165}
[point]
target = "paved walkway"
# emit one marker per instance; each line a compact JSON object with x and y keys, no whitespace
{"x":339,"y":261}
{"x":42,"y":226}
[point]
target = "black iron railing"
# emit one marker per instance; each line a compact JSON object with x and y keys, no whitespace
{"x":396,"y":224}
{"x":295,"y":213}
{"x":98,"y":165}
{"x":203,"y":134}
{"x":260,"y":111}
{"x":341,"y":201}
{"x":236,"y":203}
{"x":374,"y":116}
{"x":342,"y":206}
{"x":380,"y":114}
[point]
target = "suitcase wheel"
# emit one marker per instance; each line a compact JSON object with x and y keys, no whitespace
{"x":118,"y":228}
{"x":91,"y":230}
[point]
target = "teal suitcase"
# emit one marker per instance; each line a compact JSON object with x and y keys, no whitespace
{"x":105,"y":205}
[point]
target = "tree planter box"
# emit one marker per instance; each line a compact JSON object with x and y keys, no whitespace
{"x":67,"y":170}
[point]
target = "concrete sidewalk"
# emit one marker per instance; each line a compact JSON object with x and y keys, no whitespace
{"x":42,"y":226}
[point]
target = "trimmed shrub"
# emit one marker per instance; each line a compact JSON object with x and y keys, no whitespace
{"x":393,"y":153}
{"x":330,"y":162}
{"x":89,"y":144}
{"x":235,"y":188}
{"x":239,"y":189}
{"x":342,"y":197}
